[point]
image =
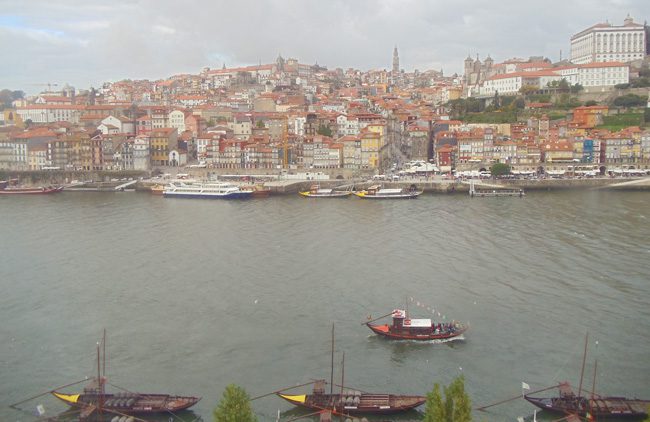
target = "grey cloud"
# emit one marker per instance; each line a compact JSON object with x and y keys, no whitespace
{"x":92,"y":41}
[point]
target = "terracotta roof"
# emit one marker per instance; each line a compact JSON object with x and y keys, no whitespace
{"x":603,"y":64}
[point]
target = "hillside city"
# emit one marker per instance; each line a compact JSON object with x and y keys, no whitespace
{"x":584,"y":114}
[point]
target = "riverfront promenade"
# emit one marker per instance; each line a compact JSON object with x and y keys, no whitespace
{"x":140,"y":181}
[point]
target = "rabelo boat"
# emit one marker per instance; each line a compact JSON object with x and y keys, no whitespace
{"x":593,"y":407}
{"x":405,"y":328}
{"x":95,"y":400}
{"x":353,"y":402}
{"x":347,"y":401}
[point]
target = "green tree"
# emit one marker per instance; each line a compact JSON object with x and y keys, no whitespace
{"x":260,"y":124}
{"x":591,"y":103}
{"x":434,"y":410}
{"x":500,"y":169}
{"x":630,"y":100}
{"x":235,"y":406}
{"x":456,"y":407}
{"x":324,"y":130}
{"x":575,"y":88}
{"x":646,"y":115}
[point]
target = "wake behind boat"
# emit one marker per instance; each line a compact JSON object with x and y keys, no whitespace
{"x":205,"y":190}
{"x":404,"y":328}
{"x":377,"y":192}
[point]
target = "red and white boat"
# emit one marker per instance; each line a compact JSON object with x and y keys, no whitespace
{"x":406,"y":328}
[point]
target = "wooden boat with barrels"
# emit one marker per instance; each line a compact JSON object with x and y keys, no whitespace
{"x":126,"y":402}
{"x":95,"y":400}
{"x":348,"y":401}
{"x":354,"y":402}
{"x":590,"y":406}
{"x":405,"y":328}
{"x":598,"y":407}
{"x":595,"y":406}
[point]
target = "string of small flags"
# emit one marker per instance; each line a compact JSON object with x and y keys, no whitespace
{"x":428,"y":308}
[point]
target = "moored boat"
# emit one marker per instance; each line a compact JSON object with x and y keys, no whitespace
{"x":354,"y":402}
{"x":377,"y":192}
{"x":315,"y":191}
{"x":347,"y":401}
{"x":30,"y":191}
{"x":404,"y":328}
{"x":258,"y":191}
{"x":598,"y":407}
{"x":157,"y":189}
{"x":209,"y":190}
{"x":128,"y":403}
{"x":95,"y":399}
{"x":595,"y":406}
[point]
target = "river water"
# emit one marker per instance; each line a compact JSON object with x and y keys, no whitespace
{"x":198,"y":294}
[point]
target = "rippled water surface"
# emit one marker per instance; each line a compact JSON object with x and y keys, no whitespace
{"x":198,"y":294}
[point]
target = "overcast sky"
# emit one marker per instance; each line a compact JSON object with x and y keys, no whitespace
{"x":87,"y":42}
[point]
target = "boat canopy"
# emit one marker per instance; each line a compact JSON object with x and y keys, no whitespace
{"x":417,"y":323}
{"x":398,"y":313}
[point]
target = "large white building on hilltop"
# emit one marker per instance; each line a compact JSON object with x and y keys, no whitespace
{"x":605,"y":42}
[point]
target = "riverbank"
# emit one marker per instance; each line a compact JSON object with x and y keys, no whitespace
{"x":140,"y":181}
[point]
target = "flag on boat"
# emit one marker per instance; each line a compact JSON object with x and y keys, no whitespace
{"x":525,"y":386}
{"x":520,"y":419}
{"x":40,"y":409}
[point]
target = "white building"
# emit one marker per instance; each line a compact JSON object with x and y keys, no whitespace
{"x":141,"y":157}
{"x":48,"y":113}
{"x":605,"y":42}
{"x":511,"y":83}
{"x":598,"y":75}
{"x":177,"y":120}
{"x":112,"y":125}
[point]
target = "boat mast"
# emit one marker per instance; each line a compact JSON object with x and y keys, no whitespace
{"x":593,"y":387}
{"x":104,"y":354}
{"x":100,"y":386}
{"x":332,"y":365}
{"x":584,"y":358}
{"x":342,"y":374}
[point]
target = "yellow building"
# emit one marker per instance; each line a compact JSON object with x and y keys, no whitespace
{"x":10,"y":118}
{"x":162,"y":141}
{"x":370,"y":145}
{"x":37,"y":157}
{"x":380,"y":129}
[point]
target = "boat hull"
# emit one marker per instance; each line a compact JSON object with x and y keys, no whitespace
{"x":233,"y":195}
{"x":368,"y":404}
{"x":131,"y":403}
{"x":30,"y":191}
{"x":412,"y":195}
{"x":386,"y":331}
{"x":599,"y":408}
{"x":326,"y":195}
